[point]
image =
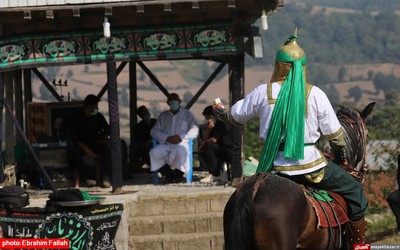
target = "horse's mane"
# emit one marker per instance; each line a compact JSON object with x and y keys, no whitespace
{"x":354,"y":135}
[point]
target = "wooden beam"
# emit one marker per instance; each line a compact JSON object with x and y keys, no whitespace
{"x":47,"y":84}
{"x":154,"y":79}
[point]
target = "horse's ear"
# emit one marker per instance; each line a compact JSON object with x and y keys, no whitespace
{"x":367,"y":110}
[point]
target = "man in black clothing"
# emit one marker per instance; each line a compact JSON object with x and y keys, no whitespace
{"x":394,"y":198}
{"x":143,"y":137}
{"x":215,"y":145}
{"x":89,"y":133}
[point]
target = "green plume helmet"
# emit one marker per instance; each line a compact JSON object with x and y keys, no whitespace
{"x":292,"y":49}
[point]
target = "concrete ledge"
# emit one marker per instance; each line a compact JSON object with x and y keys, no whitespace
{"x":165,"y":217}
{"x":203,"y":241}
{"x":200,"y":223}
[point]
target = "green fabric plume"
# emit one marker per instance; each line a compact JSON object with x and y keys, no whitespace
{"x":288,"y":116}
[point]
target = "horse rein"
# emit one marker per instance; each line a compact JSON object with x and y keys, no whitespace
{"x":256,"y":186}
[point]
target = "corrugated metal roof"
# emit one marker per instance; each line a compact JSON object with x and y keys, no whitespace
{"x":46,"y":16}
{"x":36,"y":3}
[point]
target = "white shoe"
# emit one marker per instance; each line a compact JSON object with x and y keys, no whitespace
{"x":210,"y":178}
{"x":90,"y":183}
{"x":106,"y":184}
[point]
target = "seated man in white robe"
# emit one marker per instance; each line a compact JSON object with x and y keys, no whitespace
{"x":172,"y":131}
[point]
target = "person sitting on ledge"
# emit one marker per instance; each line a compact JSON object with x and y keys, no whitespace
{"x":89,"y":134}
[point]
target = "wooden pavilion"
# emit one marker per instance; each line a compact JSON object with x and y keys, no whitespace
{"x":39,"y":33}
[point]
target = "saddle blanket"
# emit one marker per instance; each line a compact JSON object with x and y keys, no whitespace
{"x":325,"y":214}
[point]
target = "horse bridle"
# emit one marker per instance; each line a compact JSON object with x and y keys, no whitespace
{"x":350,"y":121}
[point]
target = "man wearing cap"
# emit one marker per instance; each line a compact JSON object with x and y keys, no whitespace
{"x":89,"y":134}
{"x":173,"y":129}
{"x":293,"y":115}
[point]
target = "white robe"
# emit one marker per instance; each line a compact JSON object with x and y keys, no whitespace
{"x":321,"y":118}
{"x":176,"y":156}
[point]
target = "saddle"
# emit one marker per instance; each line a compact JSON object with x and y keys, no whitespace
{"x":331,"y":211}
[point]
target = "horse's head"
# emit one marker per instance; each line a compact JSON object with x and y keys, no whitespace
{"x":355,"y":135}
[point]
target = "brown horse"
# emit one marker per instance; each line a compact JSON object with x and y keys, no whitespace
{"x":273,"y":213}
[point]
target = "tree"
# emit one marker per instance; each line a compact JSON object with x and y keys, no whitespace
{"x":319,"y":75}
{"x":187,"y":96}
{"x":332,"y":94}
{"x":52,"y":73}
{"x":123,"y":96}
{"x":205,"y":71}
{"x":45,"y":94}
{"x":70,"y":73}
{"x":386,"y":83}
{"x":383,"y":123}
{"x":252,"y":143}
{"x":370,"y":74}
{"x":142,"y":76}
{"x":75,"y":94}
{"x":342,"y":73}
{"x":356,"y":93}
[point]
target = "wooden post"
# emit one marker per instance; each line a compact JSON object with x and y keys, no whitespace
{"x":115,"y":139}
{"x":1,"y":124}
{"x":133,"y":155}
{"x":27,"y":93}
{"x":236,"y":93}
{"x":9,"y":136}
{"x":18,"y":102}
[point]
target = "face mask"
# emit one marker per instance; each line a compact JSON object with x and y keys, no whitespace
{"x":94,"y":112}
{"x":174,"y":105}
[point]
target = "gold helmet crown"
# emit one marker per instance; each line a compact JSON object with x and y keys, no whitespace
{"x":292,"y":49}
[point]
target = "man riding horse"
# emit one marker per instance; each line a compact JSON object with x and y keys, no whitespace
{"x":293,"y":116}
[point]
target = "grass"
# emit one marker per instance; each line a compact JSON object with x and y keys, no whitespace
{"x":380,"y":224}
{"x":381,"y":228}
